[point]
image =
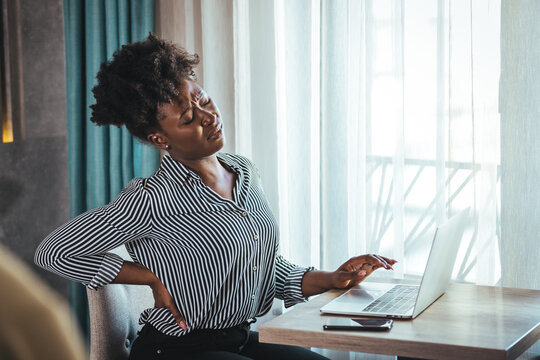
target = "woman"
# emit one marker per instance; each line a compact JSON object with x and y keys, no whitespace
{"x":200,"y":231}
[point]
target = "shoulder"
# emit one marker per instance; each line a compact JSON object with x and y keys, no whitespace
{"x":135,"y":185}
{"x":151,"y":183}
{"x":133,"y":192}
{"x":163,"y":193}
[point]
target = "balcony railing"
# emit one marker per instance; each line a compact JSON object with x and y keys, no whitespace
{"x":421,"y":216}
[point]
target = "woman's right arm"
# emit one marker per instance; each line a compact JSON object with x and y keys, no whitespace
{"x":137,"y":274}
{"x":79,"y":250}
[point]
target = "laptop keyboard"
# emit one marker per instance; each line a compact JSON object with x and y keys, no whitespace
{"x":398,"y":299}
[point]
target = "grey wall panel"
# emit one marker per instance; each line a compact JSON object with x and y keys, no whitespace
{"x":34,"y":188}
{"x":520,"y":143}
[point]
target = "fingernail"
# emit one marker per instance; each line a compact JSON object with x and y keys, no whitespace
{"x":362,"y":273}
{"x":183,"y":325}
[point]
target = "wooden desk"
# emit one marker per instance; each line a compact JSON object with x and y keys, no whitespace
{"x":468,"y":322}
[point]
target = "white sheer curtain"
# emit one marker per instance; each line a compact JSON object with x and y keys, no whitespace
{"x":371,"y":121}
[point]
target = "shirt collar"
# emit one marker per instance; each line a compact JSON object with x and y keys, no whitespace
{"x":181,"y":173}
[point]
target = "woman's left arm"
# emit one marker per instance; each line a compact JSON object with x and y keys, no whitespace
{"x":351,"y":273}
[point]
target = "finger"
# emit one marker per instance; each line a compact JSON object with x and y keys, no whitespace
{"x":370,"y":261}
{"x":367,"y":261}
{"x":383,"y":262}
{"x":350,"y":275}
{"x":349,"y":265}
{"x":360,"y":276}
{"x":388,"y":260}
{"x":370,"y":268}
{"x":345,"y":278}
{"x":178,"y":317}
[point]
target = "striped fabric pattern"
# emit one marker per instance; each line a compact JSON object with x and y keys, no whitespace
{"x":218,"y":258}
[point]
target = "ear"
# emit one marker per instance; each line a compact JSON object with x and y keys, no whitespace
{"x":158,"y":139}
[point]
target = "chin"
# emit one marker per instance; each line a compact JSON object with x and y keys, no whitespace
{"x":221,"y":143}
{"x":216,"y":147}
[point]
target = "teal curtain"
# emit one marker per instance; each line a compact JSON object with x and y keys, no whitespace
{"x":102,"y":160}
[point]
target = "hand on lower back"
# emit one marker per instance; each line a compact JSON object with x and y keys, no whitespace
{"x":163,"y":299}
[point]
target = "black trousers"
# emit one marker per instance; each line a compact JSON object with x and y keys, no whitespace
{"x":236,"y":343}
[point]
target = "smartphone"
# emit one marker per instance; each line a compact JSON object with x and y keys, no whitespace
{"x":358,"y":324}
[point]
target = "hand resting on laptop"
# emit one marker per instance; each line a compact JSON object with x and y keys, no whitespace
{"x":351,"y":273}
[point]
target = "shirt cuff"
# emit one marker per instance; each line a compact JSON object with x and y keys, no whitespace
{"x":109,"y":269}
{"x":293,"y":286}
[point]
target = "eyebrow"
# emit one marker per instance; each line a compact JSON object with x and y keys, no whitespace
{"x":198,"y":95}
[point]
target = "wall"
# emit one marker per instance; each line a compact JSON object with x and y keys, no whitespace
{"x":520,"y":143}
{"x":520,"y":146}
{"x":34,"y":189}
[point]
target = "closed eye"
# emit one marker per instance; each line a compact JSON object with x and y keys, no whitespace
{"x":189,"y":119}
{"x":207,"y":102}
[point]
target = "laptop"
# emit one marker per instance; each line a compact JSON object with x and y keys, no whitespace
{"x":404,"y":301}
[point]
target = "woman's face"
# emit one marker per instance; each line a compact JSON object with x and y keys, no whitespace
{"x":191,"y":125}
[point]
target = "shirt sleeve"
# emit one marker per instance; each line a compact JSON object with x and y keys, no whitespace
{"x":289,"y":281}
{"x":79,"y":249}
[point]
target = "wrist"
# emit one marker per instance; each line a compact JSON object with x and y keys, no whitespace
{"x":331,"y":279}
{"x":317,"y":282}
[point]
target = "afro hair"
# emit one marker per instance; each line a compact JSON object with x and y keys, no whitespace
{"x":139,"y":77}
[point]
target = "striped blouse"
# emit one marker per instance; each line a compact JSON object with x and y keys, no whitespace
{"x":218,"y":258}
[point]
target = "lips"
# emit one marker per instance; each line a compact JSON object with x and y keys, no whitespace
{"x":216,"y":133}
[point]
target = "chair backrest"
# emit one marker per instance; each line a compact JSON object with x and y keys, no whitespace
{"x":114,"y":316}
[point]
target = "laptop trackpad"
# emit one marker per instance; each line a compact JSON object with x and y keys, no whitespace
{"x":364,"y":294}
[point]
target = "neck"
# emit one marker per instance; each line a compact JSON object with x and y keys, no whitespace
{"x":209,"y":168}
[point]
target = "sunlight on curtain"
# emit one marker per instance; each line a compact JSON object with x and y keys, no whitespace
{"x":371,"y":122}
{"x":387,"y":124}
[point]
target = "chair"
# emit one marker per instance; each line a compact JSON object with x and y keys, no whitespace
{"x":114,"y":317}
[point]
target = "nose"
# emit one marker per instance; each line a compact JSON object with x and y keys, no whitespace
{"x":207,"y":117}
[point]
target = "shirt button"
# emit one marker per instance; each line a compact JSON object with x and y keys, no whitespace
{"x":255,"y":237}
{"x":253,"y":296}
{"x":158,"y":351}
{"x":244,"y":213}
{"x":254,"y":268}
